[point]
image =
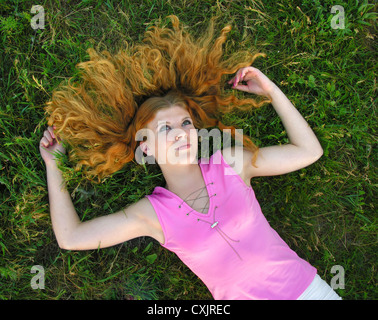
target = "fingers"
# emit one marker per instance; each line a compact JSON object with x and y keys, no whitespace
{"x":235,"y":80}
{"x":51,"y":130}
{"x":250,"y":71}
{"x":44,"y":142}
{"x":48,"y":137}
{"x":242,"y":87}
{"x":240,"y":74}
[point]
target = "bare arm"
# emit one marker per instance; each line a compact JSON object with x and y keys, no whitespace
{"x":63,"y":214}
{"x":72,"y":234}
{"x":304,"y":147}
{"x":298,"y":130}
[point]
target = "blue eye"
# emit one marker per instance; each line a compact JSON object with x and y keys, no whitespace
{"x":169,"y":127}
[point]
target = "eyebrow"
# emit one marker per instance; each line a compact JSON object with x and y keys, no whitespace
{"x":169,"y":122}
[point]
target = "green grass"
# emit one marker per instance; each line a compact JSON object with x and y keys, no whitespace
{"x":325,"y":212}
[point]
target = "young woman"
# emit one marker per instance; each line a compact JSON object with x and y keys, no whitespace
{"x":207,"y":212}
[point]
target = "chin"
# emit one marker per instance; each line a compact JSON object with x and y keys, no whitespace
{"x":183,"y":157}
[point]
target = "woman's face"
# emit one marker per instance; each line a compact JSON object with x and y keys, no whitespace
{"x":168,"y":134}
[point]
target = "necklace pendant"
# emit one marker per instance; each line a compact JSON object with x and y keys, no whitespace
{"x":214,"y":224}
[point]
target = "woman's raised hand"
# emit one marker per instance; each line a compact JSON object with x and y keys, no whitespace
{"x":49,"y":144}
{"x":257,"y":82}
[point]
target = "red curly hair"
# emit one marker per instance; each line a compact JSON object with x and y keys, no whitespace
{"x":100,"y":114}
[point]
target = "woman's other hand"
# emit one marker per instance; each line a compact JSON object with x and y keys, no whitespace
{"x":256,"y":82}
{"x":49,"y":144}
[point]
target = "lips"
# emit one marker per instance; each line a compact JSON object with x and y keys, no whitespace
{"x":184,"y":146}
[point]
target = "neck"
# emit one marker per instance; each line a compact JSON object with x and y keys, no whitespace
{"x":182,"y":178}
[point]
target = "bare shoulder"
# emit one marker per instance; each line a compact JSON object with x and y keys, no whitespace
{"x":276,"y":160}
{"x":247,"y":158}
{"x":142,"y":207}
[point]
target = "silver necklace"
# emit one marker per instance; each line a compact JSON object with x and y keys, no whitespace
{"x":215,"y":223}
{"x":196,"y":198}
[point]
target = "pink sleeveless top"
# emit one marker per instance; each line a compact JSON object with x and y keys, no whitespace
{"x":232,"y":248}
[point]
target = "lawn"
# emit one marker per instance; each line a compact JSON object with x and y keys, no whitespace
{"x":325,"y":212}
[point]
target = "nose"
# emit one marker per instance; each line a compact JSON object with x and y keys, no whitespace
{"x":180,"y":135}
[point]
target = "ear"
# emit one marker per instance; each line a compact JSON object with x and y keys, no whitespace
{"x":144,"y":148}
